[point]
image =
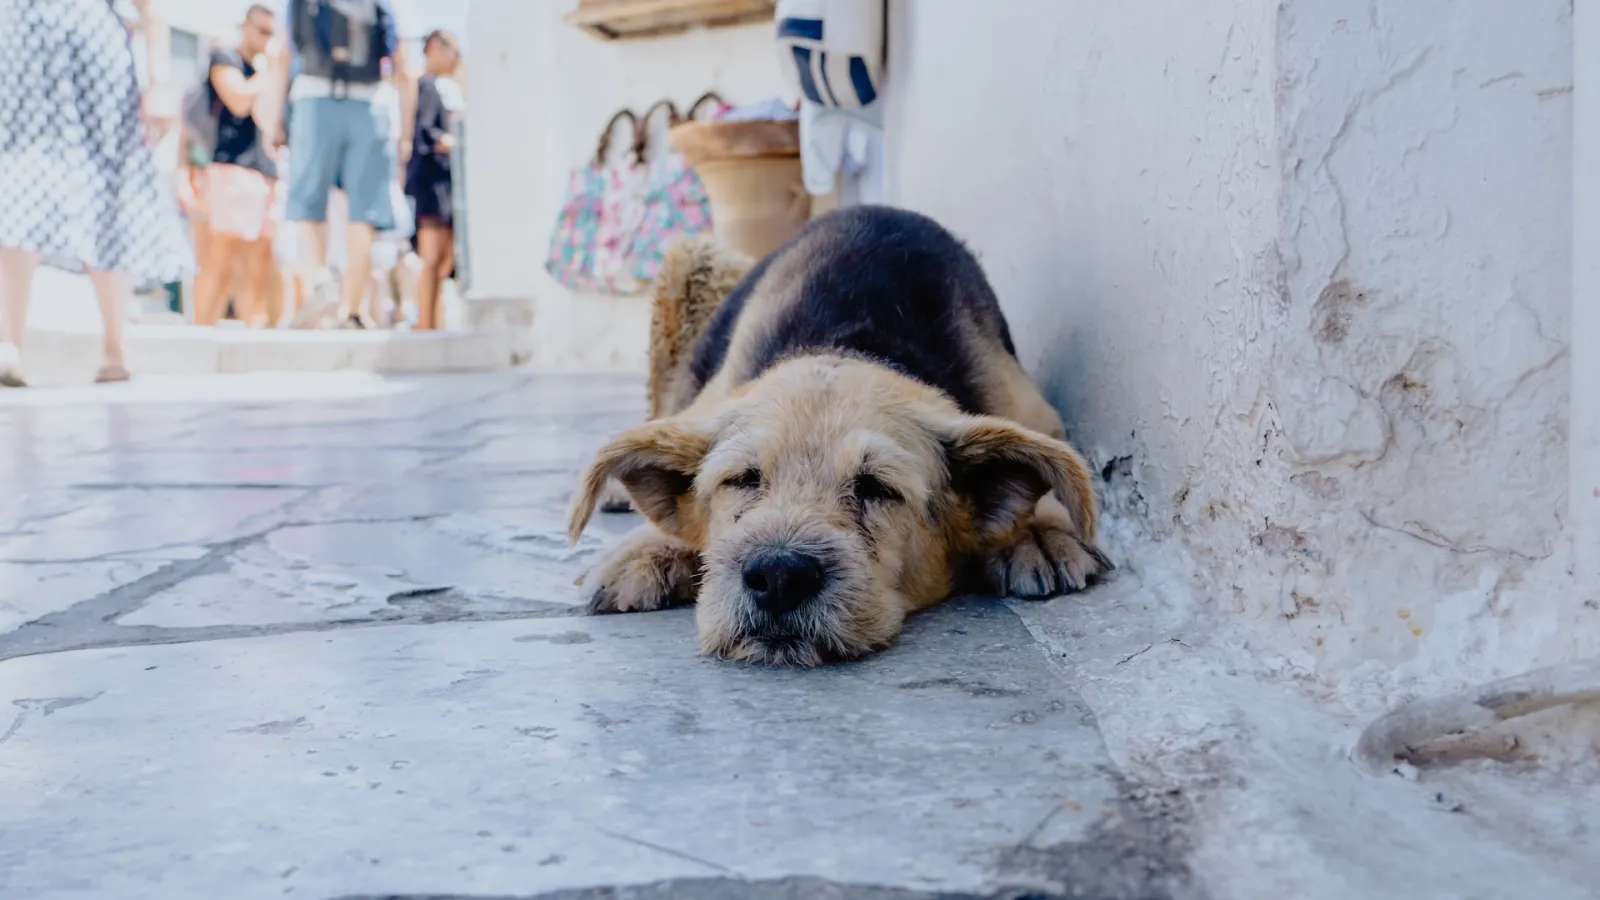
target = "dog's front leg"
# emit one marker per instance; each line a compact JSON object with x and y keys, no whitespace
{"x":1046,"y":556}
{"x":646,"y":570}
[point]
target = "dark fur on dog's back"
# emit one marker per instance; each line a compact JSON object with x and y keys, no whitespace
{"x":885,"y":283}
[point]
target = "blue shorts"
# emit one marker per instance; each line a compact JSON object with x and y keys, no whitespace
{"x":346,"y":144}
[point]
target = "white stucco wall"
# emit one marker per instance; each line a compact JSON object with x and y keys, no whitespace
{"x":1585,"y":437}
{"x":1300,"y":274}
{"x":542,"y":90}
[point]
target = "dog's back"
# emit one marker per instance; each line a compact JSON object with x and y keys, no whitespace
{"x":872,"y":281}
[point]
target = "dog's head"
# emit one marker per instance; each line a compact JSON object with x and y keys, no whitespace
{"x":828,"y":498}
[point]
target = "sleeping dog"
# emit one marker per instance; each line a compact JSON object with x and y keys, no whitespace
{"x":840,"y":435}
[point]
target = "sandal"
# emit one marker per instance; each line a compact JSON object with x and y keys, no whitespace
{"x":112,"y":373}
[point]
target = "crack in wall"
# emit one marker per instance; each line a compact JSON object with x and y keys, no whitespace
{"x":1421,"y":532}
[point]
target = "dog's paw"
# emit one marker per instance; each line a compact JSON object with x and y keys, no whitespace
{"x":614,"y":499}
{"x":1045,"y":560}
{"x":642,"y":575}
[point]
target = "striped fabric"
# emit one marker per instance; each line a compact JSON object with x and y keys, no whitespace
{"x":831,"y":51}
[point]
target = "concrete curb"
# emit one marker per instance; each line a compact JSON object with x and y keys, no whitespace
{"x":70,"y":356}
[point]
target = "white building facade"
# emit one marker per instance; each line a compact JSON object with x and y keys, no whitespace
{"x":1299,"y":274}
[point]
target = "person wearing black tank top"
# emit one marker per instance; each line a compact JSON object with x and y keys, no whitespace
{"x":428,"y":179}
{"x":241,"y":178}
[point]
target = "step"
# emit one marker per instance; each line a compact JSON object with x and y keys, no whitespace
{"x":61,"y":356}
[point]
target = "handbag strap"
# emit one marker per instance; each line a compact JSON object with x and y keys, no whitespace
{"x":603,"y":149}
{"x":642,"y":132}
{"x":708,"y":95}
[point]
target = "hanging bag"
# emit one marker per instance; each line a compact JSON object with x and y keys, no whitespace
{"x":621,"y":216}
{"x":675,"y":201}
{"x":570,"y":259}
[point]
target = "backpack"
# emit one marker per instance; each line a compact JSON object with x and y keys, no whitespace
{"x":202,"y":114}
{"x":344,"y":41}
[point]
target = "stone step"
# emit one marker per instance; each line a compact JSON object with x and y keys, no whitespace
{"x":63,"y":356}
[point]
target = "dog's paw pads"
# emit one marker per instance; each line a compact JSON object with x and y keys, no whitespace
{"x":650,"y":578}
{"x":1045,"y":561}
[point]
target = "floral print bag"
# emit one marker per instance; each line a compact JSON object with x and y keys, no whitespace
{"x":674,"y":203}
{"x":588,"y":240}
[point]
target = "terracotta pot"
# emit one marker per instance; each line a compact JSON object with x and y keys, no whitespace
{"x":752,"y":175}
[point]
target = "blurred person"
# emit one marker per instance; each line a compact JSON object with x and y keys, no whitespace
{"x":337,"y":50}
{"x":189,"y":184}
{"x":391,"y":244}
{"x":240,"y":180}
{"x":428,"y":180}
{"x":286,"y":254}
{"x":79,"y":184}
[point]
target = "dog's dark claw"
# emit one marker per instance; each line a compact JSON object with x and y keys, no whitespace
{"x":600,"y":604}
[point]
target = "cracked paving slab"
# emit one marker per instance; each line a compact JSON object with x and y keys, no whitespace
{"x":521,"y":757}
{"x":31,"y":591}
{"x":246,"y":654}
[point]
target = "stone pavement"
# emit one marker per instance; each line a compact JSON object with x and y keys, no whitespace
{"x":315,"y":636}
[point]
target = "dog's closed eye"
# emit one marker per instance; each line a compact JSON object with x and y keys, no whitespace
{"x":748,"y":480}
{"x":868,"y":488}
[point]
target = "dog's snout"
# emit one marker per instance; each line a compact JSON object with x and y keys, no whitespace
{"x":780,"y":581}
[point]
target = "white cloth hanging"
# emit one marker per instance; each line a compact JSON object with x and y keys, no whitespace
{"x":834,"y":141}
{"x":831,"y":53}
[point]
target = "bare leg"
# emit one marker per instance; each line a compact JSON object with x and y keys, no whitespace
{"x":296,"y":292}
{"x":251,"y":303}
{"x":320,"y":295}
{"x":210,"y":288}
{"x":16,"y":283}
{"x":434,"y":246}
{"x":273,"y":288}
{"x":410,"y":275}
{"x":375,"y":305}
{"x":445,"y":268}
{"x":358,"y":268}
{"x":113,"y":290}
{"x":313,"y":249}
{"x":202,"y":255}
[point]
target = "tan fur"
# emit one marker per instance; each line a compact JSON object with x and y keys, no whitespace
{"x":998,"y":498}
{"x":763,"y":306}
{"x":645,"y":571}
{"x":696,"y":273}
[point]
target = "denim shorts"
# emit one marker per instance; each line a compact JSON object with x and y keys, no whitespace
{"x":343,"y":143}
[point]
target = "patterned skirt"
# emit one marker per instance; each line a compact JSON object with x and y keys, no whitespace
{"x":78,"y":185}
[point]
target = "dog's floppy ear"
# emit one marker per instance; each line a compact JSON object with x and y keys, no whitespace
{"x":1003,"y":469}
{"x":656,"y":463}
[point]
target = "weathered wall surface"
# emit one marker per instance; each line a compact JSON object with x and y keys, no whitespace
{"x":1423,"y":380}
{"x":1585,"y":449}
{"x":1122,"y":195}
{"x":542,"y":90}
{"x":1300,"y":275}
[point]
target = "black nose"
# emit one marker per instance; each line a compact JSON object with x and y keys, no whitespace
{"x":779,"y":581}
